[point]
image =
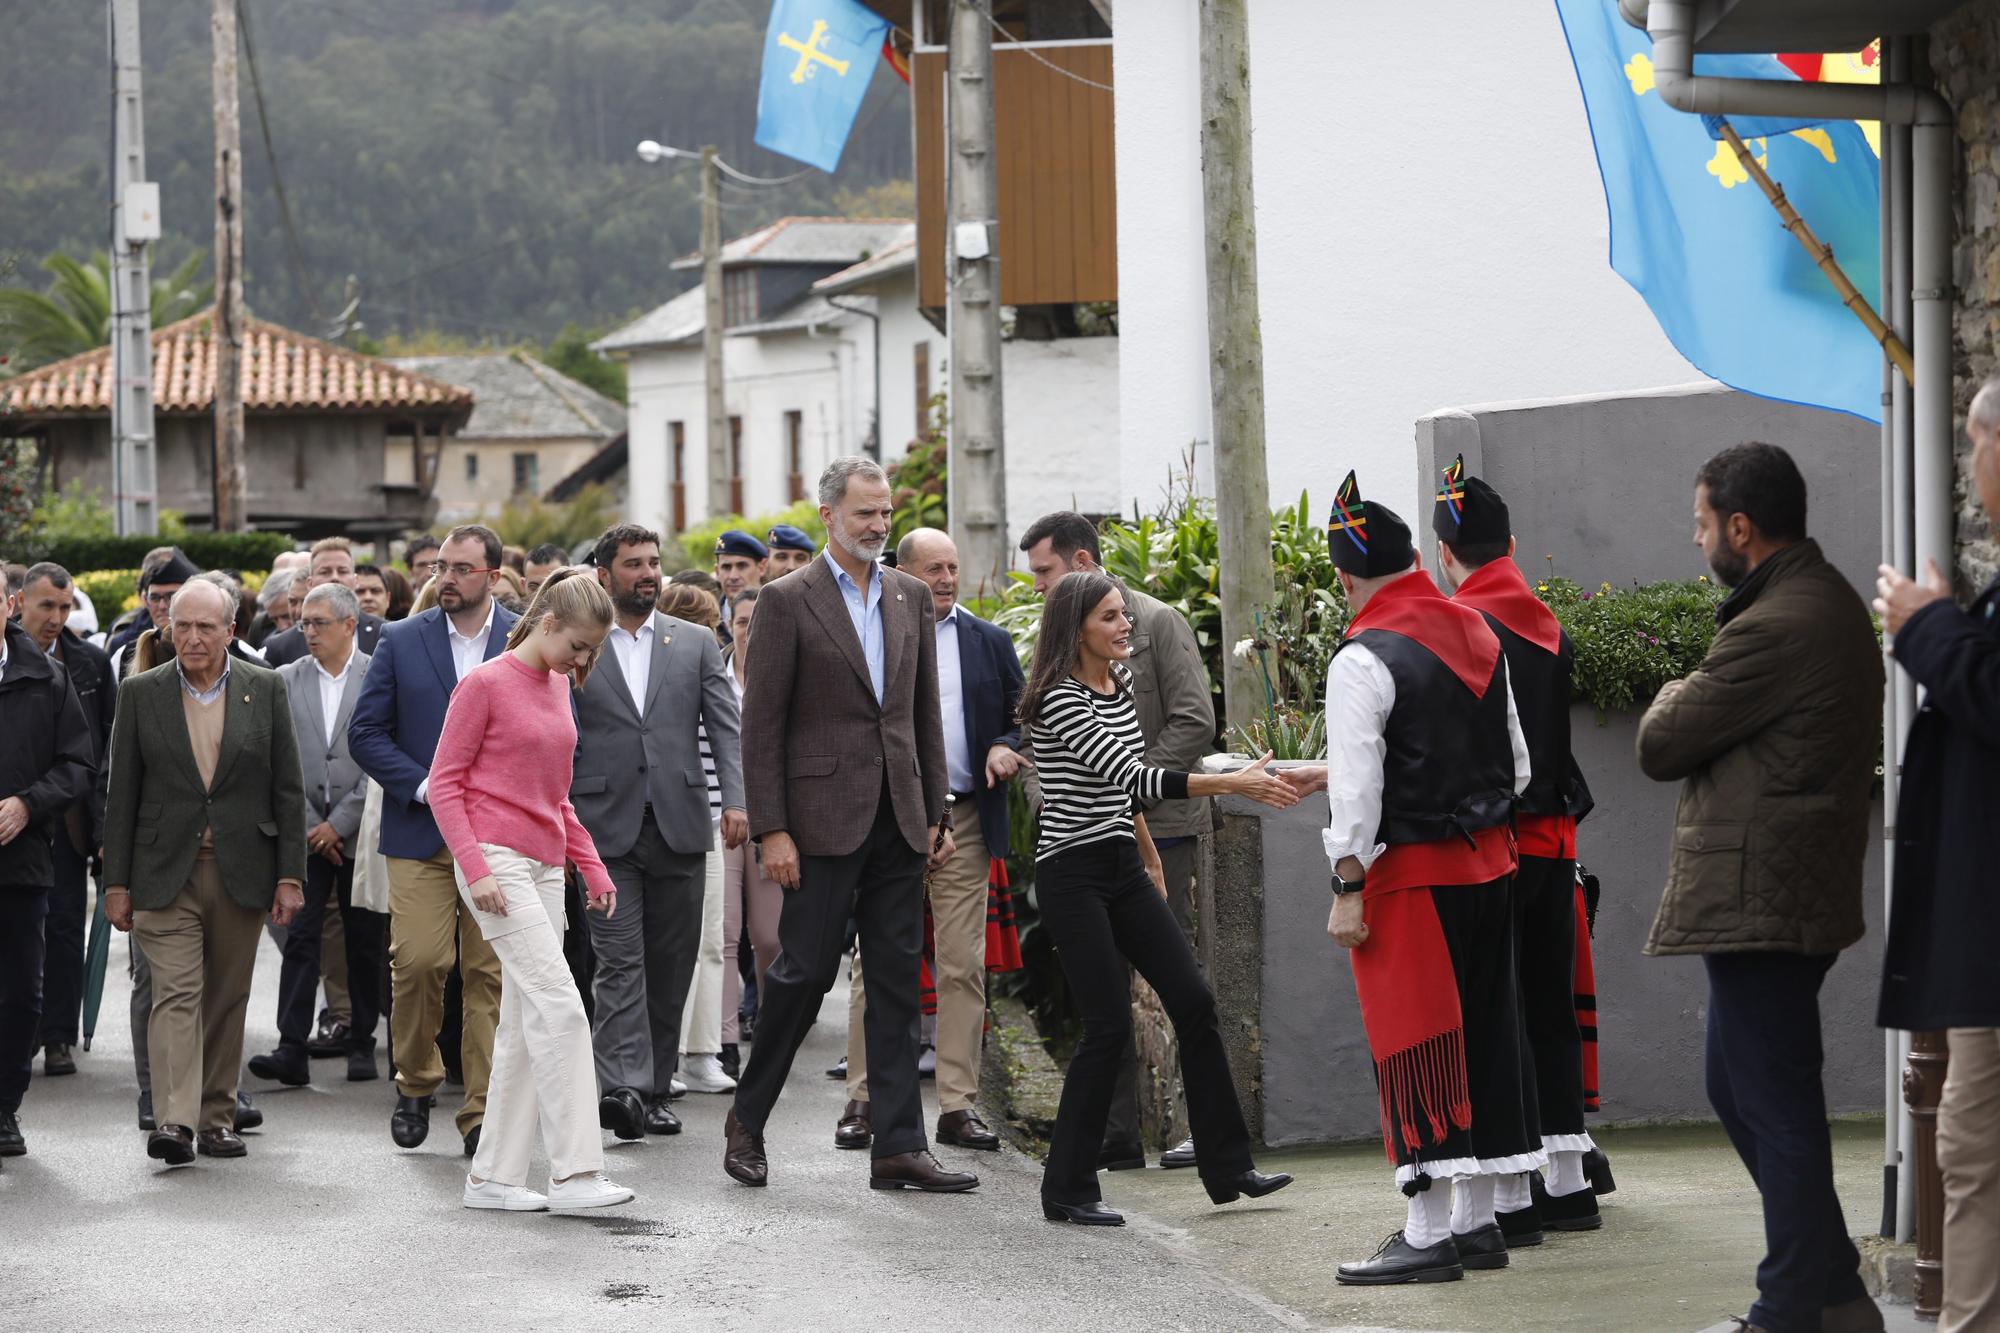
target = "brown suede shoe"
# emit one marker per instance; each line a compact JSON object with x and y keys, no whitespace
{"x":220,"y":1143}
{"x":744,"y":1158}
{"x":964,"y":1129}
{"x":172,"y":1144}
{"x":918,"y":1171}
{"x":856,"y":1128}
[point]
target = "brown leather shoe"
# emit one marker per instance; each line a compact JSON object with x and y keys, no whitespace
{"x":964,"y":1129}
{"x":172,"y":1144}
{"x":856,"y":1128}
{"x":918,"y":1171}
{"x":220,"y":1143}
{"x":744,"y":1158}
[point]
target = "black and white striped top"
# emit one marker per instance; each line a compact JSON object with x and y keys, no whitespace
{"x":1087,"y":750}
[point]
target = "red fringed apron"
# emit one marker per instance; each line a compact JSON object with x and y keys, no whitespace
{"x":1586,"y":1004}
{"x":1003,"y":937}
{"x":1409,"y":1006}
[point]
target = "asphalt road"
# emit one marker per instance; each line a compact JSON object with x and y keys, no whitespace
{"x":327,"y":1225}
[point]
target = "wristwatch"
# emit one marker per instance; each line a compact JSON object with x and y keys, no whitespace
{"x":1343,"y":887}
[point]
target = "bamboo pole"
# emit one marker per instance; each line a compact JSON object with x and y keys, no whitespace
{"x":1822,"y":254}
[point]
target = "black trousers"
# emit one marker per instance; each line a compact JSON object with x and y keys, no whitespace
{"x":1102,"y":912}
{"x":62,"y":965}
{"x":1545,"y":957}
{"x":298,"y":978}
{"x":1177,"y":859}
{"x":22,"y":909}
{"x":1764,"y":1063}
{"x":881,"y":885}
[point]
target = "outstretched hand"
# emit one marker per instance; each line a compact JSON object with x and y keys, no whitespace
{"x":1260,"y":784}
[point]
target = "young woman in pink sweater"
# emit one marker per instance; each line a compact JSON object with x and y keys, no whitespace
{"x":500,"y":791}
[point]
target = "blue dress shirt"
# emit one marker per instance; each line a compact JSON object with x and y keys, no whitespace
{"x":865,"y":610}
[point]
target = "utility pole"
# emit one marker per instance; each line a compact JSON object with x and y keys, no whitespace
{"x":977,"y":474}
{"x":135,"y":220}
{"x":231,"y":481}
{"x":711,"y":333}
{"x":1235,"y":350}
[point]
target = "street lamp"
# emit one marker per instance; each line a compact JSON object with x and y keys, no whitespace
{"x":652,"y":150}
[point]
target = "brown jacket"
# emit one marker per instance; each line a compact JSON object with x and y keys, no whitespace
{"x":1774,"y":738}
{"x":815,"y":742}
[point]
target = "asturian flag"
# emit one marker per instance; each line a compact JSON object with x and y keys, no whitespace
{"x":1731,"y":289}
{"x":819,"y":56}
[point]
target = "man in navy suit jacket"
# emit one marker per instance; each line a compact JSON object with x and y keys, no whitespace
{"x":417,"y":663}
{"x":979,"y":685}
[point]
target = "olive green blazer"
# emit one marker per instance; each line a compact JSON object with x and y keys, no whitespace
{"x":155,"y":807}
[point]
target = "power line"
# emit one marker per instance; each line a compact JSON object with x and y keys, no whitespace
{"x":1035,"y":55}
{"x":294,"y":251}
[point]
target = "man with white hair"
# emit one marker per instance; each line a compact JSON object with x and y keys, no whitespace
{"x":204,"y":835}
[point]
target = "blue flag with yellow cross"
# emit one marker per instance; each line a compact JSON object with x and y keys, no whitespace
{"x":819,"y":56}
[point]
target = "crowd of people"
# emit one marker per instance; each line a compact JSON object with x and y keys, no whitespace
{"x":581,"y":831}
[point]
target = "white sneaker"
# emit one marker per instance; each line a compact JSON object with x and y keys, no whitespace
{"x":675,"y":1087}
{"x":581,"y":1193}
{"x":491,"y":1194}
{"x":927,"y":1063}
{"x":706,"y":1074}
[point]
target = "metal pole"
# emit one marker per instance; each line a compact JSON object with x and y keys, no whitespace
{"x":133,"y":479}
{"x":712,"y":331}
{"x":231,"y":480}
{"x":977,"y":473}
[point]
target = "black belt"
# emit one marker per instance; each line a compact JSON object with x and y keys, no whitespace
{"x":964,"y":796}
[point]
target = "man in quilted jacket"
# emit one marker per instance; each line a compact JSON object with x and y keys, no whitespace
{"x":1773,"y":740}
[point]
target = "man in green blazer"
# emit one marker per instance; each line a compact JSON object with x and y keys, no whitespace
{"x":204,"y":833}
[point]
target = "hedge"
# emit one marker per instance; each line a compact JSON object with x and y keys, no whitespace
{"x":243,"y":551}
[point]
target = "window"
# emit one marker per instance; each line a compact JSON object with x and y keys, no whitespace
{"x":736,"y":465}
{"x":527,"y":474}
{"x":923,"y":417}
{"x":471,"y":466}
{"x":795,"y":457}
{"x":677,"y":460}
{"x":739,"y":297}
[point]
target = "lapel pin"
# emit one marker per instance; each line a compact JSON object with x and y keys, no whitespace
{"x":666,"y":639}
{"x":899,"y":597}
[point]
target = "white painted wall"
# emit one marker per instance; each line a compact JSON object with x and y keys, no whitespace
{"x":902,"y":329}
{"x":1431,"y":231}
{"x":1061,"y":405}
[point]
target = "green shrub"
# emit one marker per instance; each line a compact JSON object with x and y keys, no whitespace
{"x":111,"y":591}
{"x":244,"y":551}
{"x":1631,"y":641}
{"x":698,"y":543}
{"x":527,"y":521}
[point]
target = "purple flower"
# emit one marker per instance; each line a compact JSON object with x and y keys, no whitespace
{"x":1650,"y":639}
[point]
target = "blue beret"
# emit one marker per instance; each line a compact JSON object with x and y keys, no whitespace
{"x":791,"y":539}
{"x":737,"y":542}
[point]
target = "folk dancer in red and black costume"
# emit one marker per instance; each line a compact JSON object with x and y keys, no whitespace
{"x":1425,"y":758}
{"x":1475,"y":550}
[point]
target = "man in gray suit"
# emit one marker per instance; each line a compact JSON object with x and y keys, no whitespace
{"x":641,"y":793}
{"x":322,"y":687}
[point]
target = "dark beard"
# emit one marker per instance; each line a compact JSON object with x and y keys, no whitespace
{"x":633,"y":602}
{"x":1729,"y":568}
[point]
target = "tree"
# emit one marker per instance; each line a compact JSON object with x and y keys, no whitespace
{"x":74,"y":314}
{"x":570,"y":353}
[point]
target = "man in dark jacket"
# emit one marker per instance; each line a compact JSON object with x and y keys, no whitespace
{"x":45,"y":767}
{"x":1773,"y":739}
{"x":43,"y":608}
{"x":1944,"y":935}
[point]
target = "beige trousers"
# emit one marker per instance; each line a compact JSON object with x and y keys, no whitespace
{"x":701,"y":1016}
{"x":424,"y":917}
{"x":958,"y":923}
{"x":1968,"y":1149}
{"x":202,"y":948}
{"x":333,"y":963}
{"x":759,"y":901}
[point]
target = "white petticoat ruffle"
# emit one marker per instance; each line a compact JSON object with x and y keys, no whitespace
{"x":1446,"y":1168}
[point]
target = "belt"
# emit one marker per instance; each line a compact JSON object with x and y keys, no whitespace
{"x":965,"y":796}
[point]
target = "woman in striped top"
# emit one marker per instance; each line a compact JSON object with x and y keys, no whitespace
{"x":1102,"y":893}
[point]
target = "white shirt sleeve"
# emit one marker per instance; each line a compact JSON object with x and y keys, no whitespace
{"x":1359,"y":694}
{"x":424,"y":792}
{"x":1523,"y":772}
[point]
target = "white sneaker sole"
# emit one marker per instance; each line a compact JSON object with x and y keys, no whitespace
{"x":505,"y":1205}
{"x":611,"y":1200}
{"x":724,"y":1085}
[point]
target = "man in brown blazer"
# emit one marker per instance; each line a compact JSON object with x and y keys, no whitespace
{"x":841,"y":705}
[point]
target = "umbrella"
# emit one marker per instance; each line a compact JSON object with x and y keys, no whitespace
{"x":96,"y":956}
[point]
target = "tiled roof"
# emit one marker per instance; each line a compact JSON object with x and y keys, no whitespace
{"x":517,"y":397}
{"x":898,"y":256}
{"x":807,"y":241}
{"x":282,"y":371}
{"x":677,"y":321}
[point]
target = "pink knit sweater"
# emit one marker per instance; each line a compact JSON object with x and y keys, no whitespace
{"x":502,"y":771}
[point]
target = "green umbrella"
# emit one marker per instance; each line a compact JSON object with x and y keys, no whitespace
{"x":96,"y":956}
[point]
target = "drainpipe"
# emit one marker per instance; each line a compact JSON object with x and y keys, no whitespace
{"x":873,"y":445}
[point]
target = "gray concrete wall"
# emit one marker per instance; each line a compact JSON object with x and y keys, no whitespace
{"x":1317,"y":1081}
{"x":1605,"y":483}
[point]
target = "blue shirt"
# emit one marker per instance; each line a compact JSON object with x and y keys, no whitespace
{"x":213,"y":692}
{"x":865,"y":610}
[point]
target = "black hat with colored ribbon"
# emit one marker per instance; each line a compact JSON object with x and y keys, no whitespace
{"x":1367,"y":538}
{"x":1468,"y":511}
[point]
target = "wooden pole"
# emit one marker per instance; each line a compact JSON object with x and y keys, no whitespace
{"x":712,"y":331}
{"x":1822,"y":254}
{"x":1235,"y":350}
{"x":231,"y":506}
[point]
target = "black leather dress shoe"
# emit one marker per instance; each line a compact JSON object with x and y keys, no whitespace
{"x":329,"y":1040}
{"x":1522,"y":1227}
{"x":1121,"y":1157}
{"x":172,"y":1144}
{"x":660,"y":1118}
{"x":623,"y":1112}
{"x":1254,"y":1183}
{"x":146,"y":1120}
{"x":1482,"y":1247}
{"x":220,"y":1143}
{"x":12,"y":1144}
{"x":743,"y":1154}
{"x":964,"y":1129}
{"x":361,"y":1062}
{"x":1399,"y":1261}
{"x":918,"y":1171}
{"x":288,"y":1065}
{"x":1181,"y":1154}
{"x":472,"y":1140}
{"x":57,"y":1059}
{"x":410,"y":1122}
{"x":856,"y":1128}
{"x":1597,"y":1170}
{"x":837,"y":1070}
{"x":1083,"y":1214}
{"x":1569,"y":1212}
{"x":247,"y":1114}
{"x":731,"y":1060}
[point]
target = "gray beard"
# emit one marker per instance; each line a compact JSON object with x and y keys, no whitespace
{"x":859,"y":550}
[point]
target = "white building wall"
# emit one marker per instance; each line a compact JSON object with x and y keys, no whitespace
{"x":903,"y":328}
{"x":1062,"y":414}
{"x":1431,"y":231}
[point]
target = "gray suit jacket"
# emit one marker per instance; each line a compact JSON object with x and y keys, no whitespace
{"x":626,"y":760}
{"x":819,"y":742}
{"x":335,"y":785}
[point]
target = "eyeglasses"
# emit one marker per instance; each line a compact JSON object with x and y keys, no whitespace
{"x":466,"y":571}
{"x":320,"y":622}
{"x":159,"y":598}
